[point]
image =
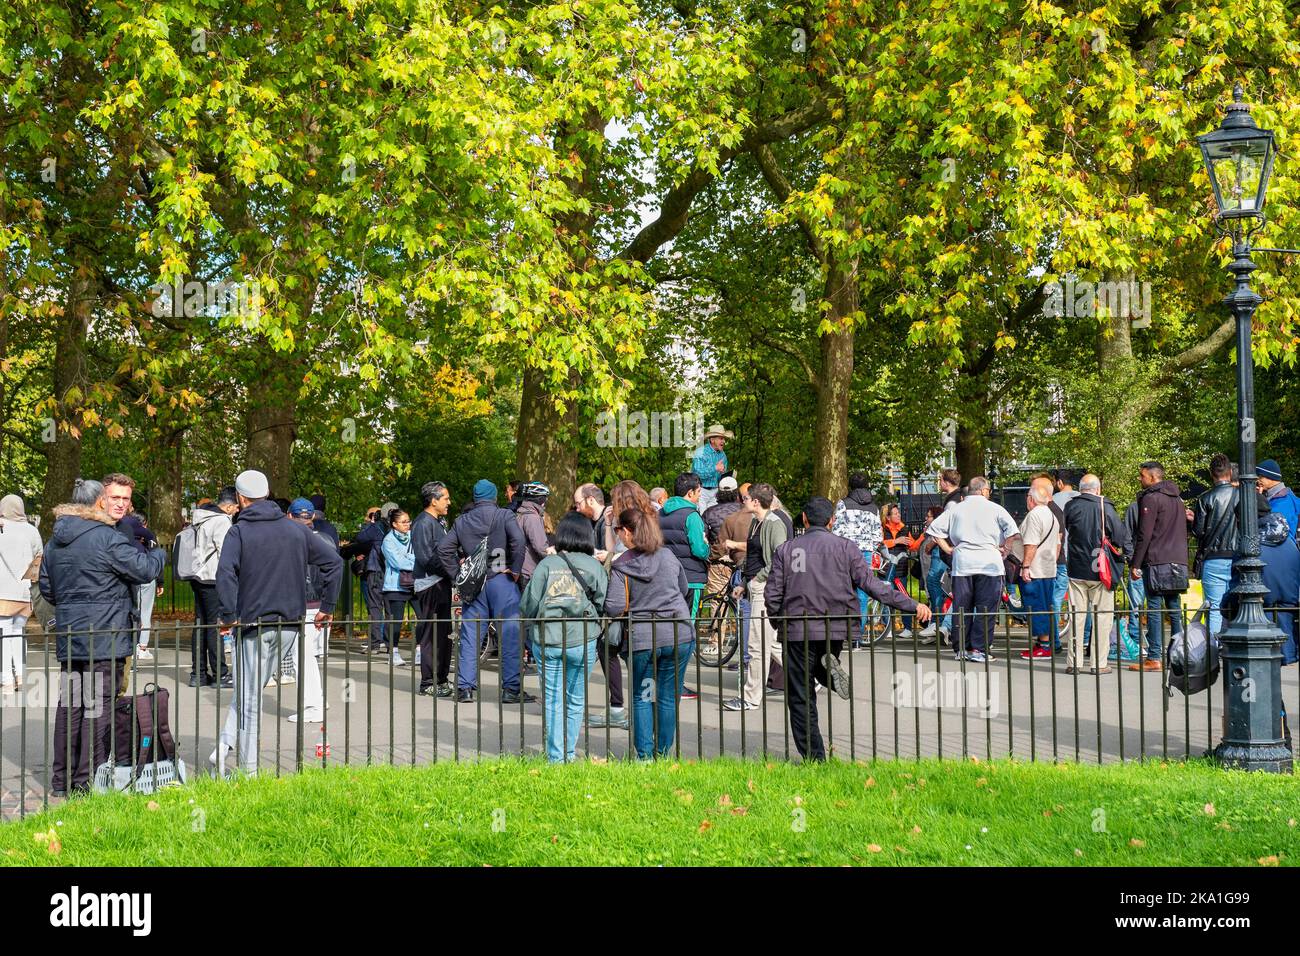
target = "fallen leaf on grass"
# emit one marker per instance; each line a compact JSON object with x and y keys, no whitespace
{"x":724,"y":800}
{"x":916,"y":829}
{"x":873,"y":847}
{"x":1209,"y":809}
{"x":534,"y":772}
{"x":597,"y":760}
{"x":1268,"y":860}
{"x":982,"y":781}
{"x":920,"y":782}
{"x":555,"y":838}
{"x":751,"y":786}
{"x":974,"y":759}
{"x":55,"y":846}
{"x":152,"y":805}
{"x":1047,"y":813}
{"x":684,"y":796}
{"x":798,"y":800}
{"x":841,"y":804}
{"x":900,"y":849}
{"x":869,"y":782}
{"x":1225,"y":825}
{"x":1078,"y":852}
{"x":1136,"y":842}
{"x":1291,"y":822}
{"x":705,"y":825}
{"x":739,"y":811}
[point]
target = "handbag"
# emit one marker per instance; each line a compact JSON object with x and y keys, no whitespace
{"x":1106,"y":571}
{"x":1165,"y":578}
{"x":473,"y":571}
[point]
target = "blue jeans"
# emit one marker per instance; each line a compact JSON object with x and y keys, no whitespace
{"x":1037,"y":598}
{"x":656,"y":685}
{"x":564,"y":673}
{"x":1137,"y":596}
{"x":742,"y":608}
{"x":1216,"y":573}
{"x":863,"y":597}
{"x":934,"y":587}
{"x":499,"y":602}
{"x":1286,"y":623}
{"x":1159,"y":607}
{"x":1059,"y":589}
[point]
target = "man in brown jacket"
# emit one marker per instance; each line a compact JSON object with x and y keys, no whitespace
{"x":1159,"y":553}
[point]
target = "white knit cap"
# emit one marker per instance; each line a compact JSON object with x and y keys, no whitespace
{"x":252,"y":484}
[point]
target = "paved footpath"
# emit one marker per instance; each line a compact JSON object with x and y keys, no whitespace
{"x":907,"y":700}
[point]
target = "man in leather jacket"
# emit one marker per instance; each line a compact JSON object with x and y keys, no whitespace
{"x":1214,"y":523}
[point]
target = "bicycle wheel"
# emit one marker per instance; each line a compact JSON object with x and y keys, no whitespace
{"x":717,"y":630}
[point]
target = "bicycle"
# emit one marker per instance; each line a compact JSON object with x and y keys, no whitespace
{"x":717,"y":624}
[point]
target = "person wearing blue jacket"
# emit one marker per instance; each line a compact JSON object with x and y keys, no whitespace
{"x":1281,"y":499}
{"x":399,"y":557}
{"x":1277,"y":549}
{"x":262,"y":580}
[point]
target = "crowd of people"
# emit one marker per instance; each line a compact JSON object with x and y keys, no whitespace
{"x":618,"y":582}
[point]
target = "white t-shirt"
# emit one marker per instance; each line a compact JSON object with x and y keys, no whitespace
{"x":1040,"y":528}
{"x":976,"y":528}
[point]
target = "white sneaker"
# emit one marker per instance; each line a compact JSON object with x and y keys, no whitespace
{"x":313,"y":717}
{"x":417,"y":657}
{"x":271,"y":682}
{"x":288,"y":679}
{"x":739,"y":703}
{"x":218,"y":757}
{"x":398,"y":660}
{"x":905,"y":634}
{"x":930,"y":630}
{"x":143,"y":653}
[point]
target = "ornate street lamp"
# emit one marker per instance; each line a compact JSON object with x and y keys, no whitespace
{"x":1239,"y":159}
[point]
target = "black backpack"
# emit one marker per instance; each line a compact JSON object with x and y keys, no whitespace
{"x":1192,"y":658}
{"x":473,"y":570}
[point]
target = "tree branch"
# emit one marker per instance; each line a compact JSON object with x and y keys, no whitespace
{"x":781,"y":188}
{"x":794,"y":353}
{"x":1201,"y":351}
{"x":674,"y":210}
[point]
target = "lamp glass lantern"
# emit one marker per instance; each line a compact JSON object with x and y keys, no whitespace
{"x":1239,"y":160}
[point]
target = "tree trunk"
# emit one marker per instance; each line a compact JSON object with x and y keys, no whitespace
{"x":831,"y":461}
{"x":970,"y":452}
{"x":272,"y":424}
{"x":546,"y":443}
{"x":63,"y":453}
{"x":165,"y":502}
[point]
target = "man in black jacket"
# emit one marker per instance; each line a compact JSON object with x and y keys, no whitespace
{"x":262,"y":589}
{"x":1088,"y":518}
{"x":1214,"y":522}
{"x":812,"y":589}
{"x":499,"y":598}
{"x":367,"y":548}
{"x":89,"y":573}
{"x":1160,"y":551}
{"x":433,"y":604}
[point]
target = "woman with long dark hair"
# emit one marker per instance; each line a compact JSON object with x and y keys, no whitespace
{"x":565,"y":595}
{"x":648,"y":585}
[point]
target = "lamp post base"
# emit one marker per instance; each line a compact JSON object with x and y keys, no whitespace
{"x":1270,"y":758}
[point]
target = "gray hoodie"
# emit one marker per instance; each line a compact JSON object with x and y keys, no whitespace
{"x":656,"y":584}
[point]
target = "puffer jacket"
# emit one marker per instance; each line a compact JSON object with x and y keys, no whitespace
{"x":211,"y":525}
{"x":714,"y":516}
{"x":657,"y":587}
{"x":857,"y":518}
{"x":1215,"y":524}
{"x":90,"y":573}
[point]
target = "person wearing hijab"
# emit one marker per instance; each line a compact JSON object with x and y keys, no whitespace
{"x":20,"y":552}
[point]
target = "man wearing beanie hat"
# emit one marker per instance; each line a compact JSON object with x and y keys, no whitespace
{"x":262,"y":590}
{"x":499,"y":598}
{"x":1281,"y":499}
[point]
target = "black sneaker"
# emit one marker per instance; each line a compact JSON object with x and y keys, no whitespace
{"x":445,"y":691}
{"x":207,"y":680}
{"x":689,"y":693}
{"x":515,"y":696}
{"x":227,"y":681}
{"x":465,"y":695}
{"x":839,"y":680}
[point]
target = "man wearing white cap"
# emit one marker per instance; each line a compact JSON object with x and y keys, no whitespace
{"x":262,"y":589}
{"x":710,"y":463}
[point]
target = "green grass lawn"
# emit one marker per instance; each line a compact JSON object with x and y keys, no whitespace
{"x":522,"y":813}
